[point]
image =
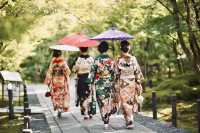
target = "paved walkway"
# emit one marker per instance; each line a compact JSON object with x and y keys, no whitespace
{"x":72,"y":121}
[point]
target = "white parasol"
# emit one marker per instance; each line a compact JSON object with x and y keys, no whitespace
{"x":64,"y":47}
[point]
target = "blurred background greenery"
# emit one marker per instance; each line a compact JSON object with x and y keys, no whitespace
{"x":166,"y":43}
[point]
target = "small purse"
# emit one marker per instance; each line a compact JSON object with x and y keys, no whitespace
{"x":140,"y":99}
{"x":48,"y":92}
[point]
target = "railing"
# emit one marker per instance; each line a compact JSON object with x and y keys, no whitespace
{"x":27,"y":113}
{"x":174,"y":109}
{"x":17,"y":96}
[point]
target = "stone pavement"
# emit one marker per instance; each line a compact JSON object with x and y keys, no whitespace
{"x":72,"y":121}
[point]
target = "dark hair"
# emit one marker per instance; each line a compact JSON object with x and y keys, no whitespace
{"x":57,"y":53}
{"x":125,"y":46}
{"x":83,"y":49}
{"x":103,"y":47}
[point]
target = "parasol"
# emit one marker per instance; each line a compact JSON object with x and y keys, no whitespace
{"x":112,"y":34}
{"x":78,"y":40}
{"x":64,"y":47}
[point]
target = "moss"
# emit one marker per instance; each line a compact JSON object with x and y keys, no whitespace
{"x":172,"y":85}
{"x":187,"y":89}
{"x":14,"y":126}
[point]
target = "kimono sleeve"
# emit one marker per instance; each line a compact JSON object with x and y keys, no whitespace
{"x":67,"y":71}
{"x":117,"y":69}
{"x":92,"y":73}
{"x":76,"y":66}
{"x":138,"y":73}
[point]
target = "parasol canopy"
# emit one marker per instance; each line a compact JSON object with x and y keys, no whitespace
{"x":113,"y":34}
{"x":78,"y":40}
{"x":64,"y":47}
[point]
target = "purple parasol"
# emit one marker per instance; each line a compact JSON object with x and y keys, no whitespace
{"x":113,"y":34}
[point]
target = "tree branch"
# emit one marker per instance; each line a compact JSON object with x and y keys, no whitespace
{"x":170,"y":11}
{"x":3,"y":5}
{"x":197,"y":15}
{"x":178,"y":29}
{"x":165,"y":6}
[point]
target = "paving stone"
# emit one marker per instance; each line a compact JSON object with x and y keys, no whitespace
{"x":72,"y":122}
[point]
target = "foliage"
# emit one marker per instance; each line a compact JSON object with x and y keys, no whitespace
{"x":29,"y":27}
{"x":15,"y":127}
{"x":6,"y":57}
{"x":186,"y":93}
{"x":72,"y":59}
{"x":155,"y":45}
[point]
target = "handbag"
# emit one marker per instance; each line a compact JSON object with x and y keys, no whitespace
{"x":48,"y":94}
{"x":140,"y":99}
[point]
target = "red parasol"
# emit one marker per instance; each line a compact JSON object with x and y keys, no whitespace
{"x":78,"y":40}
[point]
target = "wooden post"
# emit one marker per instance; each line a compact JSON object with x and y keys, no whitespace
{"x":25,"y":98}
{"x":18,"y":85}
{"x":26,"y":104}
{"x":10,"y":96}
{"x":25,"y":94}
{"x":154,"y":105}
{"x":198,"y":112}
{"x":27,"y":111}
{"x":3,"y":84}
{"x":174,"y":111}
{"x":27,"y":122}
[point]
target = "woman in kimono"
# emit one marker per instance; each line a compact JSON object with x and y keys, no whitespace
{"x":129,"y":79}
{"x":82,"y":68}
{"x":102,"y":76}
{"x":57,"y":78}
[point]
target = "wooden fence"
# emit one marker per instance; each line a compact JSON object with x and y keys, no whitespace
{"x":174,"y":109}
{"x":27,"y":113}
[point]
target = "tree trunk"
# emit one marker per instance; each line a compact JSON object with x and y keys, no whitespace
{"x":147,"y":49}
{"x":169,"y":10}
{"x":197,"y":13}
{"x":192,"y":39}
{"x":178,"y":29}
{"x":178,"y":60}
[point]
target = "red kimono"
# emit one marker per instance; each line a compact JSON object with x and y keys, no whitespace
{"x":57,"y":78}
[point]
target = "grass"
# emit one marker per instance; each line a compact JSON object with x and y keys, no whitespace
{"x":187,"y":89}
{"x":14,"y":126}
{"x":186,"y":112}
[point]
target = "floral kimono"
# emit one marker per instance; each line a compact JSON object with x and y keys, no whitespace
{"x":57,"y":78}
{"x":102,"y":75}
{"x":82,"y":68}
{"x":129,"y":76}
